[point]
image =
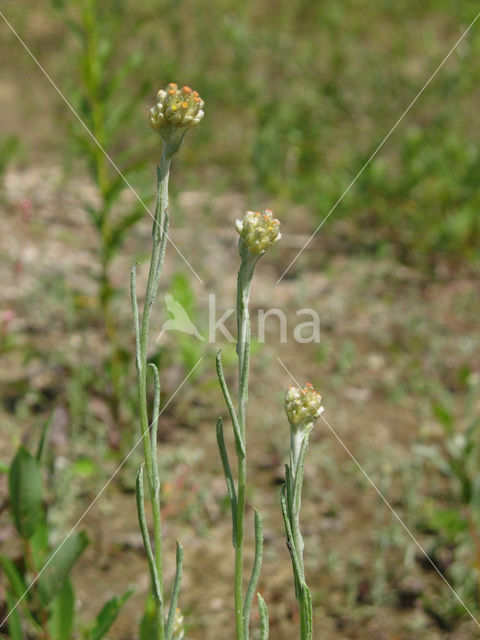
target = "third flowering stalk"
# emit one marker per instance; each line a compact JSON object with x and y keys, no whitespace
{"x":258,"y":232}
{"x":303,"y":407}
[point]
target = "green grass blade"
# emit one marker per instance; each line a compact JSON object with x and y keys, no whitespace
{"x":43,"y":439}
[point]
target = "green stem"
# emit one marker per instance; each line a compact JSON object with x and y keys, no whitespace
{"x":150,"y":446}
{"x":237,"y":497}
{"x":291,"y":513}
{"x":297,"y":441}
{"x":245,"y":276}
{"x":241,"y":491}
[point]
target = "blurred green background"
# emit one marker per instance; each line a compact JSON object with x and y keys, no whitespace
{"x":298,"y":95}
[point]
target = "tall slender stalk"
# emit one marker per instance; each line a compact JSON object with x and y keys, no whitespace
{"x":257,"y":233}
{"x":302,"y":406}
{"x":175,"y":112}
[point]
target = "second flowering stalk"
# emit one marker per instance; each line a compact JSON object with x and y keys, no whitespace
{"x":258,"y":232}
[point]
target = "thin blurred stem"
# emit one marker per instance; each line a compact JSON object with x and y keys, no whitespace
{"x":476,"y":547}
{"x":93,"y":80}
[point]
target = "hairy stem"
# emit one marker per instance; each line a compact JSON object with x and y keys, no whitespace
{"x":245,"y":276}
{"x":149,"y":444}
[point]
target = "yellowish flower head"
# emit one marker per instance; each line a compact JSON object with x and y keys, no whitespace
{"x":302,"y":406}
{"x":259,"y":231}
{"x":176,"y":108}
{"x":178,"y":626}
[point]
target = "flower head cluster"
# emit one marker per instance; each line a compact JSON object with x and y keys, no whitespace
{"x":302,"y":406}
{"x":259,"y":231}
{"x":176,"y":108}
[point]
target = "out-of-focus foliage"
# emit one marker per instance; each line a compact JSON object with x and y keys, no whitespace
{"x":304,"y":92}
{"x":40,"y":598}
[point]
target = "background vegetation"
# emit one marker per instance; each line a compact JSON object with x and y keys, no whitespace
{"x":298,"y":95}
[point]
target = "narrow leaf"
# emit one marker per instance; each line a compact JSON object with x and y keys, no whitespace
{"x":298,"y":477}
{"x":231,"y":409}
{"x":264,"y":624}
{"x":297,"y":573}
{"x":307,"y":614}
{"x":17,"y":584}
{"x":62,"y":615}
{"x":43,"y":439}
{"x":117,"y":235}
{"x":136,"y":322}
{"x":227,"y":470}
{"x":18,"y":588}
{"x":59,"y":565}
{"x":146,"y":537}
{"x":155,"y":416}
{"x":108,"y":615}
{"x":148,"y":624}
{"x":257,"y":564}
{"x":14,"y":622}
{"x":175,"y":592}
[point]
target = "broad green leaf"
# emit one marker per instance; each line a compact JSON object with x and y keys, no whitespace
{"x":59,"y":565}
{"x":60,"y":623}
{"x":25,"y":485}
{"x":14,"y":622}
{"x":4,"y":468}
{"x":39,"y":541}
{"x":17,"y":583}
{"x":18,"y":587}
{"x":108,"y":615}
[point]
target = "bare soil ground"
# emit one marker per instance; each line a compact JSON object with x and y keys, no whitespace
{"x":393,"y":342}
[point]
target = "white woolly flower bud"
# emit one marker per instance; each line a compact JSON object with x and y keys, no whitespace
{"x":302,"y":406}
{"x":176,"y":108}
{"x":259,"y":231}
